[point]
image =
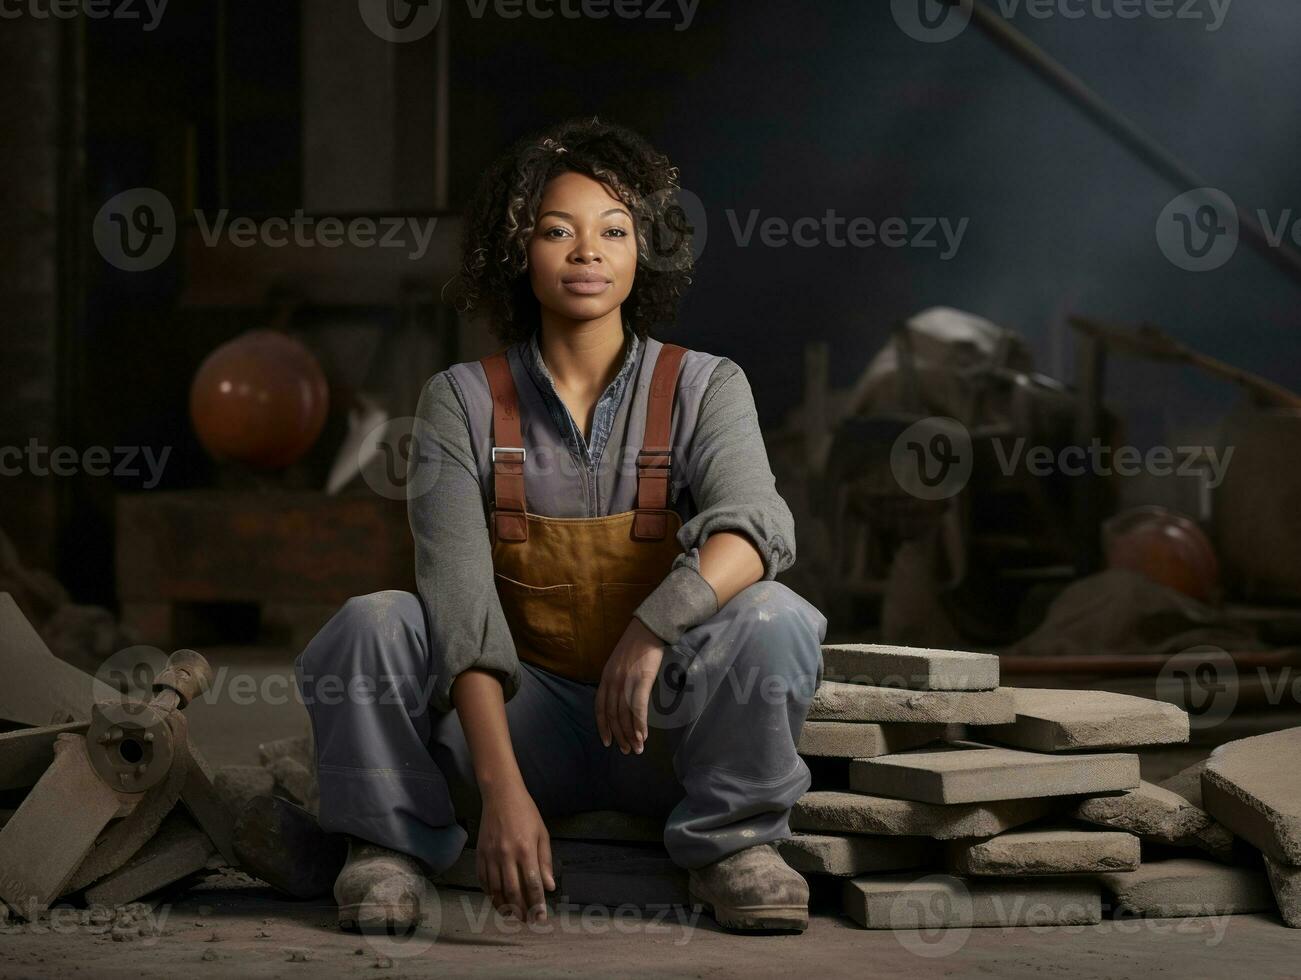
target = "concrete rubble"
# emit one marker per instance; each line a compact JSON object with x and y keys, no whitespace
{"x":1189,"y":887}
{"x":1048,"y":851}
{"x":1057,"y":721}
{"x":946,"y":801}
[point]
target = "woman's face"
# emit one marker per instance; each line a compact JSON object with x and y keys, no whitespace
{"x":583,"y":254}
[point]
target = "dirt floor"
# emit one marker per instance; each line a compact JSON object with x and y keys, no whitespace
{"x":222,"y":930}
{"x":229,"y":925}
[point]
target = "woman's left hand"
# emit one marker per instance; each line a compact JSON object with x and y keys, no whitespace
{"x":624,"y":692}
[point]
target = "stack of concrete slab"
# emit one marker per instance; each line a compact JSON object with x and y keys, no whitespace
{"x":1253,"y":787}
{"x":993,"y":799}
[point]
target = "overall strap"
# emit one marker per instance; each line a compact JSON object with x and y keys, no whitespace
{"x":508,"y":454}
{"x":650,"y":523}
{"x":507,"y":451}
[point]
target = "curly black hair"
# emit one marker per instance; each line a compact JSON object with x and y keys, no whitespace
{"x":493,"y":279}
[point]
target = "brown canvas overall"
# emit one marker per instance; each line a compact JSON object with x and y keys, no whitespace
{"x":569,"y":586}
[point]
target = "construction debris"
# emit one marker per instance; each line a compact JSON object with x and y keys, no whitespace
{"x":912,"y":789}
{"x":864,"y":740}
{"x":829,"y":811}
{"x":830,"y":855}
{"x":39,"y":687}
{"x":178,"y":850}
{"x":1189,"y":887}
{"x":1052,"y":851}
{"x":973,"y":773}
{"x":946,"y":902}
{"x":835,"y":701}
{"x":909,"y":667}
{"x":1253,"y":787}
{"x":1286,"y":882}
{"x":1057,"y":721}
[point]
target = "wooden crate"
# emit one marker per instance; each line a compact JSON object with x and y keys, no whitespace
{"x":299,"y":553}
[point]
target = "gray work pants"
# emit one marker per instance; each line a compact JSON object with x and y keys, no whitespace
{"x":720,"y":765}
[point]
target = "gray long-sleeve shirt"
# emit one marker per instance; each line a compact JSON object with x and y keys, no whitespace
{"x":721,"y":481}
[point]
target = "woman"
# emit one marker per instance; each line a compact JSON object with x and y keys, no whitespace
{"x":596,"y":531}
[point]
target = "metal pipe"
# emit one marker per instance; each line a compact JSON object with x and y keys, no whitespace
{"x":1148,"y":150}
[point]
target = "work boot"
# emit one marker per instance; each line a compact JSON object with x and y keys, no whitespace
{"x":753,"y":889}
{"x":379,"y":890}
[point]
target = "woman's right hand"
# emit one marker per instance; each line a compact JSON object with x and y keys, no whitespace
{"x":513,"y":854}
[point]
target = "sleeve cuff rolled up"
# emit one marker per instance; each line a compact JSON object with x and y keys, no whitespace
{"x":683,"y":600}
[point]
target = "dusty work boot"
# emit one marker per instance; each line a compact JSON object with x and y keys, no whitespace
{"x":753,"y":889}
{"x":379,"y":890}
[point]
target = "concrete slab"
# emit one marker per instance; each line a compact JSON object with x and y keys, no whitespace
{"x":282,"y":844}
{"x":860,"y":813}
{"x":39,"y":854}
{"x":1215,"y":839}
{"x":236,"y":785}
{"x":1253,"y":787}
{"x":1285,"y":880}
{"x":1047,"y":851}
{"x":834,"y":701}
{"x":611,"y":825}
{"x":38,"y":686}
{"x":25,"y":754}
{"x":972,"y":773}
{"x":200,"y":797}
{"x":829,"y":854}
{"x":124,"y":838}
{"x":1150,"y":811}
{"x":1187,"y":783}
{"x":914,"y":668}
{"x":178,"y":850}
{"x":864,"y":739}
{"x":904,"y":902}
{"x":1189,"y":887}
{"x":1062,"y":720}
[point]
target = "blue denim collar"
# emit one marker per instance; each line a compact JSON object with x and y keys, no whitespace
{"x":606,"y":406}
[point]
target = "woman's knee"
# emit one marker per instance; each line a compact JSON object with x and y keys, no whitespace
{"x":382,"y":629}
{"x":783,"y":631}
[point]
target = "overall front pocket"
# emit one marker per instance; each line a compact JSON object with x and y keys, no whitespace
{"x":540,"y":618}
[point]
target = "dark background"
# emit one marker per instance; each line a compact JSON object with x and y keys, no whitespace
{"x":789,"y":109}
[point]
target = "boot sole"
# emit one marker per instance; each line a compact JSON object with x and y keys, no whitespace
{"x":753,"y":918}
{"x":360,"y":917}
